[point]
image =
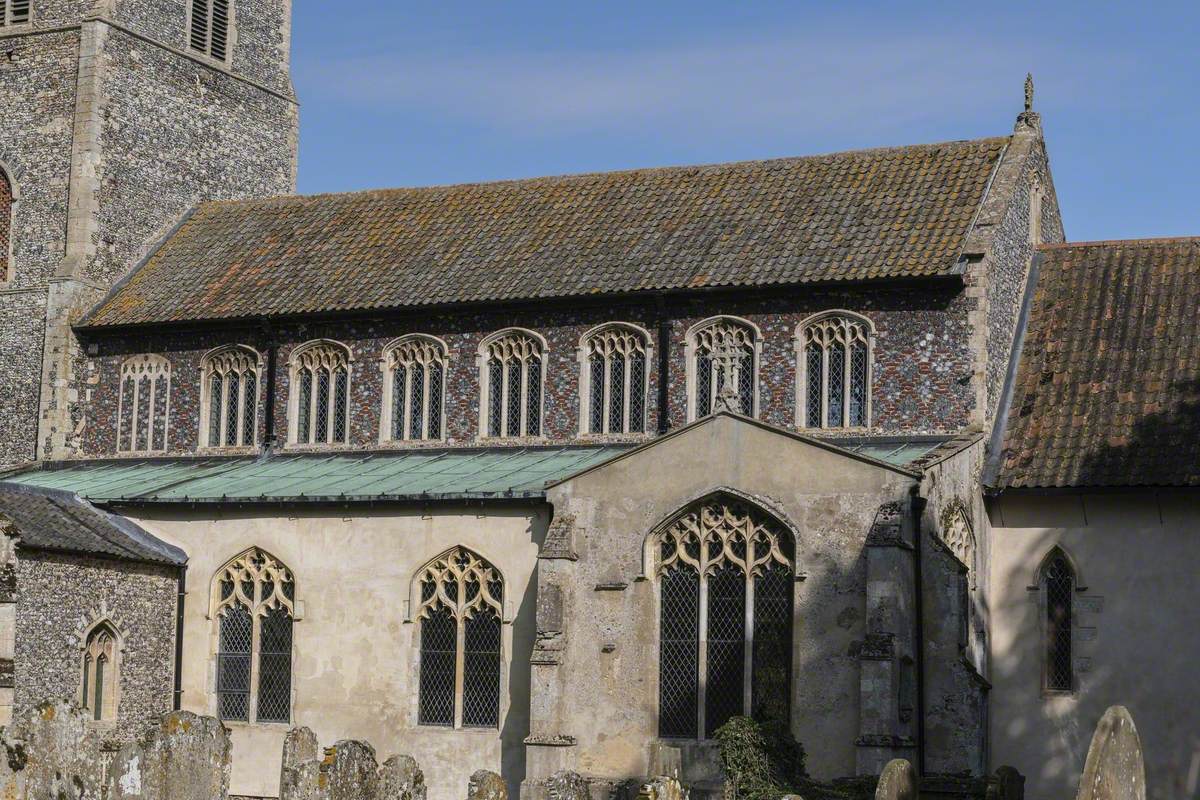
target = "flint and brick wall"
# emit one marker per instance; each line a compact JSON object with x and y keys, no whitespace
{"x":59,"y":597}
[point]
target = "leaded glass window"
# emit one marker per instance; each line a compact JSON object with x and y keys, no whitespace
{"x":725,"y":630}
{"x":613,"y":380}
{"x":724,"y":372}
{"x":7,"y":201}
{"x":229,"y":404}
{"x":835,"y":372}
{"x":144,"y":405}
{"x":254,"y":598}
{"x":1059,"y":580}
{"x":415,"y":368}
{"x":321,"y":390}
{"x":512,"y":381}
{"x":461,"y":610}
{"x":98,"y":691}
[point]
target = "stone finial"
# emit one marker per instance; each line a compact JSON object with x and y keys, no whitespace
{"x":485,"y":785}
{"x":1029,"y":121}
{"x":1028,"y":92}
{"x":400,"y":778}
{"x":897,"y":782}
{"x":1114,"y":769}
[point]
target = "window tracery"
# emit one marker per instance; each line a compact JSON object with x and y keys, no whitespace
{"x":415,"y":369}
{"x":613,"y":379}
{"x":320,"y":393}
{"x":253,"y":598}
{"x":725,"y":581}
{"x":723,"y":368}
{"x":835,"y":371}
{"x":511,"y":383}
{"x":229,"y":402}
{"x":143,"y":408}
{"x":461,"y":609}
{"x":98,"y":694}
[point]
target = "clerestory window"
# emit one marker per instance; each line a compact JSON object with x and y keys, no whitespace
{"x":613,"y":379}
{"x":320,"y":391}
{"x":144,"y":405}
{"x":512,"y":368}
{"x":209,"y":26}
{"x":722,"y":367}
{"x":98,"y":692}
{"x":725,"y":581}
{"x":834,"y":372}
{"x":461,"y":610}
{"x":253,"y":601}
{"x":414,"y":389}
{"x":229,"y":401}
{"x":14,"y":12}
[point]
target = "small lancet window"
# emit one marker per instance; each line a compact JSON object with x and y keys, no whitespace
{"x":98,"y":693}
{"x":723,"y":368}
{"x":415,"y":376}
{"x":254,"y":597}
{"x":1035,"y":212}
{"x":7,"y":205}
{"x":14,"y":12}
{"x":725,"y":580}
{"x":461,"y":610}
{"x":229,"y":402}
{"x":144,"y":405}
{"x":613,"y":380}
{"x":1058,"y":579}
{"x":320,"y":391}
{"x":512,"y":367}
{"x":209,"y":26}
{"x":835,"y":371}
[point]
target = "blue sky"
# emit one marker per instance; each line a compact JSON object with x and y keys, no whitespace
{"x":399,"y":93}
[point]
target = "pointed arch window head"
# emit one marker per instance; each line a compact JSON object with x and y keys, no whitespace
{"x":8,"y":202}
{"x":319,"y":410}
{"x":414,"y":389}
{"x":229,"y":401}
{"x":100,"y":681}
{"x":254,"y":605}
{"x":1058,"y":581}
{"x":613,"y":379}
{"x":723,"y":367}
{"x":512,"y":373}
{"x":725,"y":580}
{"x":144,"y":405}
{"x":835,"y":354}
{"x":461,"y":608}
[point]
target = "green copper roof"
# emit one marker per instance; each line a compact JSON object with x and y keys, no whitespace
{"x":432,"y":474}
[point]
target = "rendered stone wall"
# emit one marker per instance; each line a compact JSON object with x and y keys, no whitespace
{"x":58,"y":600}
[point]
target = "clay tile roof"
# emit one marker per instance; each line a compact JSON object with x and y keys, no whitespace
{"x":897,"y":212}
{"x":1108,"y":388}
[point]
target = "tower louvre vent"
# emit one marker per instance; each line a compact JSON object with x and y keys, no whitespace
{"x":220,"y":29}
{"x":199,"y":31}
{"x":14,"y":12}
{"x":209,"y":28}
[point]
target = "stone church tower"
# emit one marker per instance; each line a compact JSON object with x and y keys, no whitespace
{"x":116,"y":118}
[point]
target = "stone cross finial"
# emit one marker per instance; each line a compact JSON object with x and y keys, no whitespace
{"x":1029,"y":91}
{"x":725,"y":356}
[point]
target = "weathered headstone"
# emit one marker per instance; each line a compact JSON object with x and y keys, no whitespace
{"x":401,"y":779}
{"x":52,"y":754}
{"x":485,"y":785}
{"x":898,"y":781}
{"x":567,"y":785}
{"x":663,"y":788}
{"x":186,"y":757}
{"x":1114,"y":769}
{"x":298,"y":774}
{"x":1006,"y":784}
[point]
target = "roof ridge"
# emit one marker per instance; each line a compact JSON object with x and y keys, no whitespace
{"x":1148,"y":241}
{"x":570,"y":176}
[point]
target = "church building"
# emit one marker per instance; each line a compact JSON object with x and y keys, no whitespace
{"x":567,"y":472}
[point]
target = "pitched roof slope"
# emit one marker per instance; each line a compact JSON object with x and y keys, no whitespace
{"x":896,"y":212}
{"x":1107,"y":392}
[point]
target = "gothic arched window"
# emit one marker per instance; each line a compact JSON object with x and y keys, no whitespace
{"x":209,"y":25}
{"x":229,"y":400}
{"x":722,"y":367}
{"x":144,"y":406}
{"x":414,"y":389}
{"x":613,"y":379}
{"x":725,"y":637}
{"x":1036,"y":193}
{"x":8,"y":202}
{"x":1058,"y":587}
{"x":253,"y":600}
{"x":512,"y":369}
{"x":320,"y":392}
{"x":461,"y":608}
{"x":835,"y":371}
{"x":101,"y":653}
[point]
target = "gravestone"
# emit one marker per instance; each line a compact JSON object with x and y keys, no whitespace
{"x":52,"y":754}
{"x":401,"y":779}
{"x":186,"y":757}
{"x":898,"y":781}
{"x":485,"y":785}
{"x":567,"y":785}
{"x":1114,"y":769}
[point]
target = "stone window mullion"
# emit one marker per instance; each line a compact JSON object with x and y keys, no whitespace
{"x":702,"y":655}
{"x":847,"y":363}
{"x":406,"y":422}
{"x":607,"y":406}
{"x":748,"y":648}
{"x":523,"y":394}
